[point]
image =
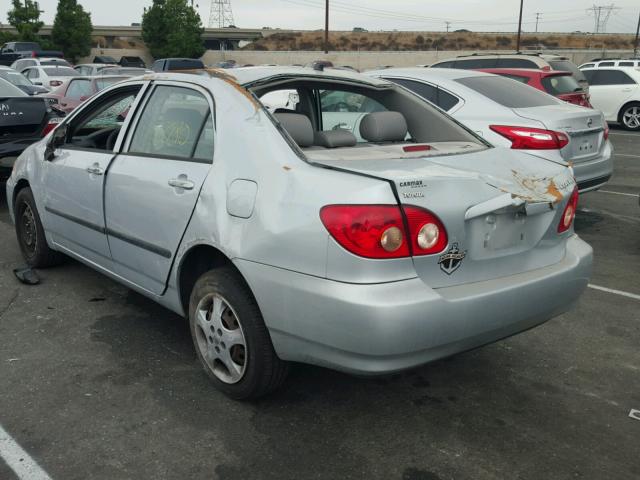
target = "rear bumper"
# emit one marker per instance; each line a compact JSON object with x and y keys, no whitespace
{"x":382,"y":328}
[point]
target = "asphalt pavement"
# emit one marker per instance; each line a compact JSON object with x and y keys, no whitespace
{"x":97,"y":382}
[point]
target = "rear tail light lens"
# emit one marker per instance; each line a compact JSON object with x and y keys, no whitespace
{"x":53,"y":123}
{"x":606,"y":131}
{"x":532,"y":138}
{"x":55,"y":83}
{"x":378,"y":231}
{"x":569,"y":212}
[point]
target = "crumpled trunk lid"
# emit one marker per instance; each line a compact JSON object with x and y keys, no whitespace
{"x":584,"y":126}
{"x":500,"y":208}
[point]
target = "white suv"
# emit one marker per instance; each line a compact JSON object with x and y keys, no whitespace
{"x":616,"y":91}
{"x":628,"y":62}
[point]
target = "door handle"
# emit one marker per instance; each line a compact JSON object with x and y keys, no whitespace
{"x":95,"y":169}
{"x":181,"y":182}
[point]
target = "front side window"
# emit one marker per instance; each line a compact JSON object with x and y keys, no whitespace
{"x":78,"y":89}
{"x":507,"y":92}
{"x":176,"y":123}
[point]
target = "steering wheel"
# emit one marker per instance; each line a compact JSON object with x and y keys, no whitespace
{"x":111,"y":139}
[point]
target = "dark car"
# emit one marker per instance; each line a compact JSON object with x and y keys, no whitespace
{"x":20,"y":81}
{"x":132,"y":62}
{"x":12,"y":51}
{"x":167,"y":64}
{"x":104,"y":59}
{"x":23,"y":120}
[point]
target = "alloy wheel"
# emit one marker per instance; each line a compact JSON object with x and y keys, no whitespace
{"x":631,"y":117}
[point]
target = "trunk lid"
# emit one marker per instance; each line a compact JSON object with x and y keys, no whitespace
{"x":21,"y":117}
{"x":500,"y":207}
{"x":584,"y":126}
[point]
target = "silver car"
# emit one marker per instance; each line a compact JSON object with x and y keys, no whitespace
{"x":511,"y":114}
{"x":285,"y":239}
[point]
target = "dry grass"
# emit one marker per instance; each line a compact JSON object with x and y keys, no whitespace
{"x":398,"y":41}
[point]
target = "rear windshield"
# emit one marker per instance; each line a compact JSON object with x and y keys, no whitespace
{"x":567,"y":66}
{"x":506,"y":92}
{"x":60,"y":72}
{"x":185,"y":64}
{"x":54,"y":62}
{"x":14,"y":77}
{"x":561,"y":84}
{"x":8,"y":90}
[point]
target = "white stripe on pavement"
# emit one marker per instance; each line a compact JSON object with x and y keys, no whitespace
{"x":624,"y":134}
{"x":626,"y":155}
{"x":617,"y":292}
{"x":619,"y":193}
{"x":18,"y":460}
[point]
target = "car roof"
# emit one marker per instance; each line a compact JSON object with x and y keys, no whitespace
{"x":96,"y":65}
{"x":249,"y":75}
{"x":527,"y":71}
{"x":433,"y":73}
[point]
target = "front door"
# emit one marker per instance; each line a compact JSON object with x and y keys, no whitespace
{"x":75,"y":176}
{"x":152,"y":187}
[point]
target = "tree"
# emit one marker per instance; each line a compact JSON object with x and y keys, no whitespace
{"x":72,"y":30}
{"x":25,"y":19}
{"x":172,"y":28}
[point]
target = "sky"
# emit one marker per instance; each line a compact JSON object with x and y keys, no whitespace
{"x":475,"y":15}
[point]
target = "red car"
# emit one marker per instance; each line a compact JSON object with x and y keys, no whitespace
{"x":557,"y":83}
{"x":76,"y":90}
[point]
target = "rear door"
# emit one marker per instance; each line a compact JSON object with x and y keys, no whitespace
{"x":152,"y":187}
{"x":610,"y":89}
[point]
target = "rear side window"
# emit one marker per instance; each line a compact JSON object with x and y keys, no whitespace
{"x":609,"y":77}
{"x":561,"y":84}
{"x":177,"y":123}
{"x":435,"y":95}
{"x":626,"y":64}
{"x":79,"y":88}
{"x":516,"y":63}
{"x":588,"y":65}
{"x":474,"y":63}
{"x":507,"y":92}
{"x":607,"y":64}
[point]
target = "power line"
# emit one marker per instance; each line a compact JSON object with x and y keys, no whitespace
{"x":537,"y":18}
{"x":601,"y":15}
{"x":220,"y":14}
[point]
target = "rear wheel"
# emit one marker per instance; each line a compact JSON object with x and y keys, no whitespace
{"x":630,"y":116}
{"x":30,"y":233}
{"x":230,"y":337}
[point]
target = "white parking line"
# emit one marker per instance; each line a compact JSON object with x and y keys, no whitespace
{"x":626,"y":155}
{"x":625,"y":134}
{"x":619,"y":193}
{"x":617,"y":292}
{"x":18,"y":460}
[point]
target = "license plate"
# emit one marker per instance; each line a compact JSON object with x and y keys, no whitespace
{"x":584,"y":146}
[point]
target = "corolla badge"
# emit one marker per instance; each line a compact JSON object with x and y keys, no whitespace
{"x":451,"y":260}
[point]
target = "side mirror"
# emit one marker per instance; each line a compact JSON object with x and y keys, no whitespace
{"x":57,"y":140}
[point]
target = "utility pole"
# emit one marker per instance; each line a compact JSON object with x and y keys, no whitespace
{"x":537,"y":18}
{"x":519,"y":27}
{"x":601,"y":14}
{"x":448,"y":25}
{"x":326,"y":27}
{"x":635,"y":44}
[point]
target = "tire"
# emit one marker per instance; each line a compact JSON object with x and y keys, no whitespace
{"x":31,"y":238}
{"x":629,"y":117}
{"x":230,"y":337}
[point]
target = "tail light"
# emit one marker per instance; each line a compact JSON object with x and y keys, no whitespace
{"x":606,"y":131}
{"x":34,"y":54}
{"x":55,"y":83}
{"x":569,"y":212}
{"x":532,"y":138}
{"x":53,"y":123}
{"x":379,"y":231}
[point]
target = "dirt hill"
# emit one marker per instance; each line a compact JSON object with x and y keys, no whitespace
{"x":382,"y":41}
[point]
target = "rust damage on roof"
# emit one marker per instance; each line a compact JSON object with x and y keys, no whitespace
{"x":225,"y":76}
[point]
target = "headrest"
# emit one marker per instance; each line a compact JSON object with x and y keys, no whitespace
{"x":383,"y":127}
{"x":298,"y":126}
{"x":334,"y":138}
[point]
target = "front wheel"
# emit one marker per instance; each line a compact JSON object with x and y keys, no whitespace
{"x":630,"y":116}
{"x":230,"y":337}
{"x":30,"y":233}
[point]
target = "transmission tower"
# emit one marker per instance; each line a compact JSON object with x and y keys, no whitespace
{"x":221,"y":15}
{"x":601,"y":14}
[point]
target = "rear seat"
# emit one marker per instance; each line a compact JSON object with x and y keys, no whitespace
{"x":300,"y":129}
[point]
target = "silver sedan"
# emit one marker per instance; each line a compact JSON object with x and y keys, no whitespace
{"x":284,"y":237}
{"x":509,"y":113}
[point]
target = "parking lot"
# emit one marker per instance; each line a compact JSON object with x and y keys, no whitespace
{"x":101,"y":383}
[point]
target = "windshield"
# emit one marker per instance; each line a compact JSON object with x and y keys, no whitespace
{"x":507,"y":93}
{"x":15,"y":78}
{"x":567,"y":66}
{"x":60,"y":72}
{"x":59,"y":62}
{"x":561,"y":84}
{"x":9,"y":90}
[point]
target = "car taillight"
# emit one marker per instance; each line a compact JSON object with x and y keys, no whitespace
{"x":606,"y":131}
{"x":53,"y":123}
{"x":378,"y":231}
{"x":528,"y":138}
{"x":55,"y":83}
{"x":569,"y":212}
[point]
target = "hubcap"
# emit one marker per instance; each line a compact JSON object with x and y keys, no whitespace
{"x":631,"y":117}
{"x":220,"y":339}
{"x":29,"y":233}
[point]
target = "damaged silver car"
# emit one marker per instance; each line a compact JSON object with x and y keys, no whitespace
{"x":285,"y":237}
